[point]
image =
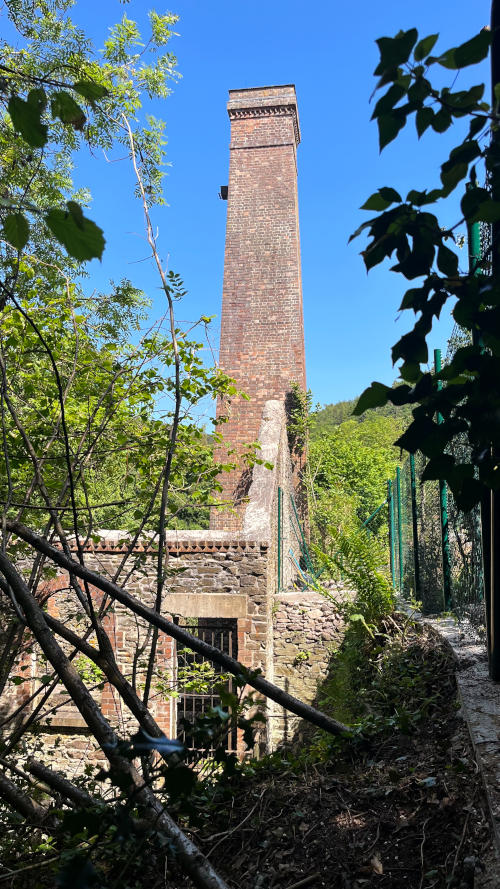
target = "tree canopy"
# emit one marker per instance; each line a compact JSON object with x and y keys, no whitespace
{"x":405,"y":229}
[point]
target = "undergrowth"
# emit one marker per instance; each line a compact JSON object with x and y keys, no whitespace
{"x":385,"y":681}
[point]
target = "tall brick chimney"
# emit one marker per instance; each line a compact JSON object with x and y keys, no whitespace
{"x":262,"y":329}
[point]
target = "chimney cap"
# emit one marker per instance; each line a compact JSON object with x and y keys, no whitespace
{"x":256,"y":101}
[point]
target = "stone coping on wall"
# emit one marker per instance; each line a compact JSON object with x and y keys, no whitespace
{"x":177,"y":542}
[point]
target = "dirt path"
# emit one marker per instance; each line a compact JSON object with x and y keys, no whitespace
{"x":403,"y":809}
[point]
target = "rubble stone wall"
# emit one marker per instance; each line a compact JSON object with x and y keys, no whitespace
{"x":307,"y":629}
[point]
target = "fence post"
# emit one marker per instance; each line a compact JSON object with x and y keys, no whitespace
{"x":494,"y":499}
{"x":400,"y":529}
{"x":414,"y":522}
{"x":390,"y":507}
{"x":304,"y":549}
{"x":443,"y":509}
{"x":484,"y":529}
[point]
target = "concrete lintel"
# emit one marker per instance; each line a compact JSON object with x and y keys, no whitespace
{"x":206,"y":604}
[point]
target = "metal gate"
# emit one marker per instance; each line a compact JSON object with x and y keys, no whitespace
{"x":196,"y":677}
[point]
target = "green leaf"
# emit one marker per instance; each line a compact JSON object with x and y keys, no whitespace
{"x":441,"y":121}
{"x":419,"y":198}
{"x":464,"y":314}
{"x":90,"y":90}
{"x":447,"y":261}
{"x":394,"y":51}
{"x":423,"y":119}
{"x":469,"y":53}
{"x":489,"y":211}
{"x":375,"y":396}
{"x":417,"y":261}
{"x":415,"y":299}
{"x":455,"y":168}
{"x":381,"y":199}
{"x":389,"y":126}
{"x":390,"y":194}
{"x":389,"y":100}
{"x":463,"y":101}
{"x":472,"y":200}
{"x":377,"y":251}
{"x":26,"y":117}
{"x":400,"y":395}
{"x":424,"y":47}
{"x":439,"y":468}
{"x":67,"y":110}
{"x":452,"y":176}
{"x":411,"y":440}
{"x":476,"y":125}
{"x":419,"y":91}
{"x":76,"y":212}
{"x":82,"y":238}
{"x":410,"y":372}
{"x":411,"y":347}
{"x":16,"y":230}
{"x":468,"y":494}
{"x":359,"y":230}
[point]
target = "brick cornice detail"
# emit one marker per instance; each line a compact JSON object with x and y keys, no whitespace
{"x":174,"y":547}
{"x":268,"y":111}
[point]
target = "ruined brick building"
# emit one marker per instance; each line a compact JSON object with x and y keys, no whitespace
{"x":240,"y":587}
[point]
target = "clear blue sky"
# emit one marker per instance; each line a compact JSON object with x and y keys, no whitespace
{"x":327,"y":49}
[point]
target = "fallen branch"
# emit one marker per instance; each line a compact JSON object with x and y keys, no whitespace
{"x":13,"y":873}
{"x":191,"y":859}
{"x":61,"y":785}
{"x":22,"y":803}
{"x":58,"y":784}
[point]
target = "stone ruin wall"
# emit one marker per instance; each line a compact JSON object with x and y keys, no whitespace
{"x":223,"y":574}
{"x":307,"y":630}
{"x":223,"y":578}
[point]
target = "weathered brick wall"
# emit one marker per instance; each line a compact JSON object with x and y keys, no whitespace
{"x":214,"y":574}
{"x":262,"y":331}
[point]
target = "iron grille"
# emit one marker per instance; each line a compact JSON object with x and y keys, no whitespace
{"x":196,"y":689}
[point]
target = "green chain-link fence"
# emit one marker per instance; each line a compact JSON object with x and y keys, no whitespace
{"x":427,"y":534}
